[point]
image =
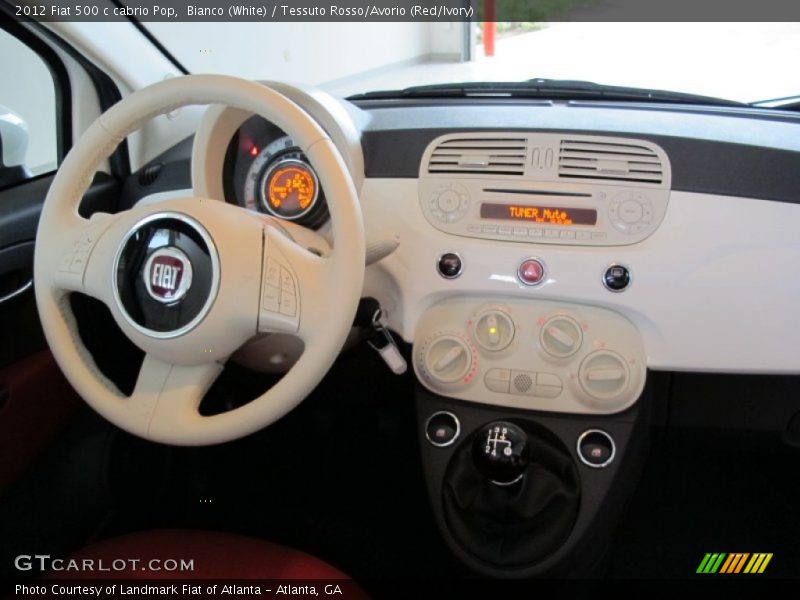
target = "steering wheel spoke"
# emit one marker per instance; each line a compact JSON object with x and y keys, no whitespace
{"x":171,"y":394}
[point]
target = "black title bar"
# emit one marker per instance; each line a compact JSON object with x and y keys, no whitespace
{"x":402,"y":10}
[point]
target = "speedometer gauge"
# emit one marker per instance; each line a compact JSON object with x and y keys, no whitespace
{"x":255,"y":173}
{"x":289,"y":189}
{"x":281,"y":182}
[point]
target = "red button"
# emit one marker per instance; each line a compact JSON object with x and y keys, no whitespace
{"x":531,"y":272}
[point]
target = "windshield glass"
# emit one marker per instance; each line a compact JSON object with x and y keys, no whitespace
{"x":744,"y":62}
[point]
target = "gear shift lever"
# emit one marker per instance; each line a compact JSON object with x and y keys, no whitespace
{"x":500,"y":452}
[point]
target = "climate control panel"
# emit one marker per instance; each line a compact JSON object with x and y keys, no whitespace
{"x":539,"y":355}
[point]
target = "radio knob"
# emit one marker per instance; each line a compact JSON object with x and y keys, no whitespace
{"x":448,"y":201}
{"x":631,"y":211}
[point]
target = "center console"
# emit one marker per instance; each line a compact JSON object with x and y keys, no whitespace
{"x":533,"y":411}
{"x":532,"y":418}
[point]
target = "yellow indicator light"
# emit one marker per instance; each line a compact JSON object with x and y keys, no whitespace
{"x":492,"y":330}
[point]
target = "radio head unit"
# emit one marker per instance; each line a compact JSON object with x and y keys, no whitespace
{"x":545,"y":188}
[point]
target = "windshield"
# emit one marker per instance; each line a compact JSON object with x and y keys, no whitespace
{"x":743,"y":62}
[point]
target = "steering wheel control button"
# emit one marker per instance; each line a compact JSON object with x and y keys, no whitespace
{"x":449,"y":265}
{"x":288,"y":304}
{"x":167,"y":275}
{"x":79,"y":262}
{"x":561,"y":336}
{"x":617,"y":278}
{"x":66,"y":262}
{"x":531,"y":272}
{"x":442,"y":429}
{"x":596,"y":448}
{"x":498,"y":380}
{"x":287,"y":281}
{"x":273,"y":274}
{"x":271,"y":298}
{"x":493,"y":330}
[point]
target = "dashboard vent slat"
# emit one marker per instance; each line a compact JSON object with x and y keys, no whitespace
{"x":580,"y":159}
{"x":480,"y":156}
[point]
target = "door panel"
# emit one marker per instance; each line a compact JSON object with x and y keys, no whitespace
{"x":36,"y":401}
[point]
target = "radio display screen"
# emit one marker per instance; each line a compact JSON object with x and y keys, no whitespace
{"x":546,"y":215}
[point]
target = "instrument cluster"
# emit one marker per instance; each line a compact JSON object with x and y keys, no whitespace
{"x":265,"y":171}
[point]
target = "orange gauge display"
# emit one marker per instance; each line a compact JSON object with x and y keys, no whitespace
{"x":290,"y":189}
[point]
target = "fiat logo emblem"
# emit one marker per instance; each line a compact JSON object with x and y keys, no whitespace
{"x":167,"y":275}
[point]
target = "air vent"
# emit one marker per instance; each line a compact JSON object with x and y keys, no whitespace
{"x":580,"y":159}
{"x":480,"y":156}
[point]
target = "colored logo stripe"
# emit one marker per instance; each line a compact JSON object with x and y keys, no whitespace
{"x":758,"y":563}
{"x":711,"y":563}
{"x":734,"y":563}
{"x":721,"y":562}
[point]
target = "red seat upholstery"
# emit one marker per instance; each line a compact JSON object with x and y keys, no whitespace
{"x":216,"y":556}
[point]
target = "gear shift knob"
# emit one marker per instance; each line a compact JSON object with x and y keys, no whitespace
{"x":500,"y":452}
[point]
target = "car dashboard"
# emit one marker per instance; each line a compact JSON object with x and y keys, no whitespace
{"x":545,"y":261}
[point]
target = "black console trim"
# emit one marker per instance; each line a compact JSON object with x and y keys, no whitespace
{"x":604,"y":492}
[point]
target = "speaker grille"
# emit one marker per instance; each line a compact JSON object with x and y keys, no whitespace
{"x":522,"y":383}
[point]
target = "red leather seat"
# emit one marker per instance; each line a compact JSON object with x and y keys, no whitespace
{"x":215,"y":555}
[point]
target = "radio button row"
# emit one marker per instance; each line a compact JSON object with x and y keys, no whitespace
{"x":538,"y":232}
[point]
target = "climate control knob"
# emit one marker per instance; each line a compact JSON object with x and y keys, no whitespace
{"x":604,"y":376}
{"x":448,"y":358}
{"x":561,"y":336}
{"x":493,"y":329}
